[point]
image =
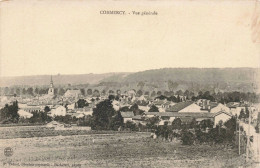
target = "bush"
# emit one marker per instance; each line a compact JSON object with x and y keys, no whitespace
{"x":131,"y":125}
{"x":187,"y":138}
{"x":202,"y":136}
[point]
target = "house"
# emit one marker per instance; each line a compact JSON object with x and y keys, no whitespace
{"x":202,"y":102}
{"x":59,"y":111}
{"x":116,"y":105}
{"x":141,"y":98}
{"x":236,"y":107}
{"x":71,"y":106}
{"x":207,"y":105}
{"x":160,"y":105}
{"x":219,"y":107}
{"x":150,"y":114}
{"x":188,"y":117}
{"x":78,"y":115}
{"x":221,"y":116}
{"x":138,"y":119}
{"x":24,"y":114}
{"x":32,"y":109}
{"x":168,"y":104}
{"x":144,"y":108}
{"x":186,"y":107}
{"x":85,"y":110}
{"x":127,"y":116}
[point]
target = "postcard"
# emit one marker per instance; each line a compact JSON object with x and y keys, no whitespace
{"x":120,"y":83}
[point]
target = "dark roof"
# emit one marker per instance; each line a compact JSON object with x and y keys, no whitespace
{"x":171,"y":114}
{"x":236,"y":104}
{"x":179,"y":106}
{"x":137,"y":117}
{"x":160,"y":102}
{"x":192,"y":115}
{"x":128,"y":114}
{"x":215,"y":114}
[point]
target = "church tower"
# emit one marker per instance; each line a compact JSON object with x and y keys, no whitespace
{"x":51,"y":89}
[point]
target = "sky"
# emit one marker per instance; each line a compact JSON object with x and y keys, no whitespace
{"x":72,"y":37}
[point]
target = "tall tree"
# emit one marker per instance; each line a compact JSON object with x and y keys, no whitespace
{"x":151,"y":123}
{"x":159,"y":93}
{"x":89,"y":91}
{"x":24,"y":91}
{"x":36,"y":91}
{"x":18,"y":91}
{"x":147,"y":93}
{"x":153,"y":94}
{"x":111,"y":92}
{"x":30,"y":91}
{"x":116,"y":121}
{"x":103,"y":92}
{"x":10,"y":113}
{"x":102,"y":115}
{"x":179,"y":92}
{"x":193,"y":123}
{"x":82,"y":103}
{"x":96,"y":93}
{"x":82,"y":90}
{"x":139,"y":93}
{"x":47,"y":109}
{"x":176,"y":124}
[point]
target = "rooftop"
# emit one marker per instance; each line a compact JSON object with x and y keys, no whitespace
{"x":179,"y":106}
{"x":128,"y":114}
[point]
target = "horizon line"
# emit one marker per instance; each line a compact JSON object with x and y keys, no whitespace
{"x":57,"y":74}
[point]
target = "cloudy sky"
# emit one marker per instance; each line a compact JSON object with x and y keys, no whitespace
{"x":71,"y":37}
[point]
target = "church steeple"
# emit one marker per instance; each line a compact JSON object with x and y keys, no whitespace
{"x":51,"y":89}
{"x":51,"y":82}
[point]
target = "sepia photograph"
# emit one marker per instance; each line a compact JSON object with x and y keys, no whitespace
{"x":120,"y":83}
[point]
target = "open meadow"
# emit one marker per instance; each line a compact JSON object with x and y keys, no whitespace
{"x":113,"y":149}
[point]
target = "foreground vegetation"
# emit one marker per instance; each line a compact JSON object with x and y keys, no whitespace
{"x":117,"y":150}
{"x":42,"y":131}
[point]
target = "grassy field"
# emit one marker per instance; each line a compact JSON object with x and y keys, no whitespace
{"x":113,"y":150}
{"x":43,"y":131}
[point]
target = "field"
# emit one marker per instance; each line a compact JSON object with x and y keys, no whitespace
{"x":113,"y":149}
{"x":43,"y":131}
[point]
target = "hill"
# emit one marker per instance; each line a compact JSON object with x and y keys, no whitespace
{"x":198,"y":75}
{"x":58,"y":79}
{"x":240,"y":79}
{"x":226,"y":79}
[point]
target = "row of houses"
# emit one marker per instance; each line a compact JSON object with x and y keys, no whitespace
{"x":187,"y":111}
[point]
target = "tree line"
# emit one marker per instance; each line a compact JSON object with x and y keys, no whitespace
{"x":175,"y":96}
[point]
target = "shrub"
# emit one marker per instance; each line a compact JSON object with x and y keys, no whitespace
{"x":187,"y":138}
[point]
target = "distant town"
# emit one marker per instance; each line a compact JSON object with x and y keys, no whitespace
{"x":134,"y":106}
{"x":203,"y":117}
